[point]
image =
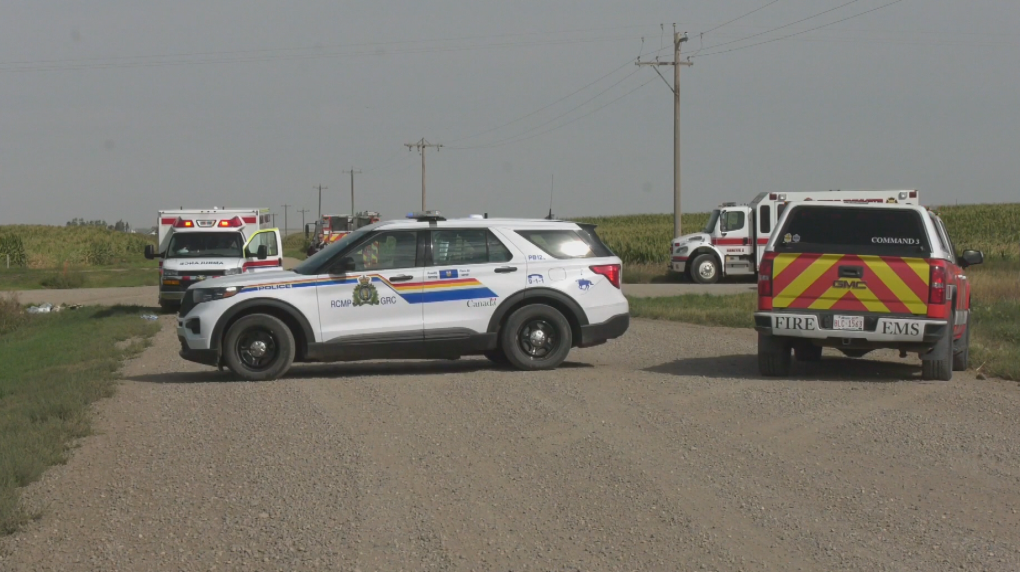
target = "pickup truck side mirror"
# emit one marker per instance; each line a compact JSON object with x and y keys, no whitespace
{"x":262,"y":253}
{"x":150,"y":251}
{"x":971,"y":258}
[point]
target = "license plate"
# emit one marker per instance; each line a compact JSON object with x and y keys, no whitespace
{"x":848,"y":322}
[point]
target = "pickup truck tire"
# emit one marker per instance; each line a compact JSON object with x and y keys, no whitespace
{"x":941,"y":367}
{"x":536,"y":337}
{"x":705,"y":269}
{"x":774,"y":359}
{"x":259,"y":347}
{"x":961,"y":353}
{"x":807,"y":352}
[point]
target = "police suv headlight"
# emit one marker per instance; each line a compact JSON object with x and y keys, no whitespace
{"x":170,"y":273}
{"x":232,"y":271}
{"x":209,"y":294}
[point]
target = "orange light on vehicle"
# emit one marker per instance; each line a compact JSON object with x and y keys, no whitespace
{"x":181,"y":223}
{"x":235,"y":222}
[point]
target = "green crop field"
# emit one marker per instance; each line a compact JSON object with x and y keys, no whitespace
{"x":645,"y":239}
{"x":38,"y":246}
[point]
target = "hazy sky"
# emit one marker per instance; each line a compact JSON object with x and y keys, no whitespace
{"x":114,"y":109}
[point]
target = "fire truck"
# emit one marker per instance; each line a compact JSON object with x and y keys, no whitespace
{"x":733,"y":241}
{"x":334,"y":227}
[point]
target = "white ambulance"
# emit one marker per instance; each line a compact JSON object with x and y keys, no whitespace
{"x":199,"y":244}
{"x":734,"y":240}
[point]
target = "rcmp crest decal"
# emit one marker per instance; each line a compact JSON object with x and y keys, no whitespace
{"x":365,"y":293}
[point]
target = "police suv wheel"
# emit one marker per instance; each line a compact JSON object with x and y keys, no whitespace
{"x":536,"y":337}
{"x":497,"y":357}
{"x":774,"y":358}
{"x":705,"y":269}
{"x":259,"y":347}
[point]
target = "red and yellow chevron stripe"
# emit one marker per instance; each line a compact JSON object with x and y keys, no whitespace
{"x":888,"y":284}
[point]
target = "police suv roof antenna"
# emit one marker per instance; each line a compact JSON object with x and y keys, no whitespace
{"x":552,"y":187}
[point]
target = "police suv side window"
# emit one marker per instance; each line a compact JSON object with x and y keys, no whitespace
{"x":467,"y":246}
{"x":562,"y":244}
{"x":732,"y":220}
{"x":387,"y":251}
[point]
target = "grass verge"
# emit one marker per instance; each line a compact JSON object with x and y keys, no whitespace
{"x":51,"y":374}
{"x":74,"y":277}
{"x":995,"y":342}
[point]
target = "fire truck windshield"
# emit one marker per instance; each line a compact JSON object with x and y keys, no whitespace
{"x":712,"y":220}
{"x":205,"y":244}
{"x":339,"y":223}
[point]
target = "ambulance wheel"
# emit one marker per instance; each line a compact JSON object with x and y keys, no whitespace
{"x":705,"y":269}
{"x":807,"y":352}
{"x":961,"y":355}
{"x":941,"y":367}
{"x":774,"y":359}
{"x":259,"y":347}
{"x":536,"y":337}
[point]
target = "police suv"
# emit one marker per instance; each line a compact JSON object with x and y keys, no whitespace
{"x":520,"y":292}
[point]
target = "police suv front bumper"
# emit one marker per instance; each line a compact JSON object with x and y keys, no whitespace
{"x":892,"y":331}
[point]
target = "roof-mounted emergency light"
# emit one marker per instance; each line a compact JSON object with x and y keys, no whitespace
{"x":181,"y":223}
{"x":235,"y":222}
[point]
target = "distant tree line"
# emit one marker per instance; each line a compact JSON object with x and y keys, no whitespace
{"x":119,"y":226}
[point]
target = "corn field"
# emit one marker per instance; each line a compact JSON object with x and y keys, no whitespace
{"x":53,"y":246}
{"x":644,"y":239}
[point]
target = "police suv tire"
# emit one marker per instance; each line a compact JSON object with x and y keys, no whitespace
{"x":275,"y":338}
{"x":695,"y":269}
{"x":774,"y":359}
{"x":941,"y":368}
{"x":807,"y":352}
{"x":961,"y":354}
{"x":497,"y":357}
{"x":520,"y":332}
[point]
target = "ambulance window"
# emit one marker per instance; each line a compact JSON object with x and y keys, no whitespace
{"x":765,"y":219}
{"x":732,"y":220}
{"x":266,"y":238}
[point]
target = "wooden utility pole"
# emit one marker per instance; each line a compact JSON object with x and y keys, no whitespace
{"x":303,"y":211}
{"x":675,"y":88}
{"x":285,"y":225}
{"x":320,"y":200}
{"x":352,"y":171}
{"x":421,"y":146}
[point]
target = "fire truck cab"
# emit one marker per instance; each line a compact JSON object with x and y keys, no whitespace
{"x":734,"y":239}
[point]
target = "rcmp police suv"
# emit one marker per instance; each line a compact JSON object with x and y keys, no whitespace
{"x":521,"y":292}
{"x":860,"y":278}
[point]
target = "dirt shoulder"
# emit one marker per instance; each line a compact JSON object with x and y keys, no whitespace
{"x":660,"y":451}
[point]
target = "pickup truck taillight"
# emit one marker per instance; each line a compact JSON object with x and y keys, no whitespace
{"x":610,"y":271}
{"x":937,"y":285}
{"x":765,"y":283}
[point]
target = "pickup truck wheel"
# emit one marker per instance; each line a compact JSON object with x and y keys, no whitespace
{"x":941,"y":368}
{"x":259,"y":347}
{"x":536,"y":337}
{"x":807,"y":352}
{"x":774,"y":358}
{"x":705,"y":269}
{"x":961,"y":355}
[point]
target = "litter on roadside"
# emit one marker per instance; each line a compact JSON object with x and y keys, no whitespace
{"x":48,"y":308}
{"x":150,"y":317}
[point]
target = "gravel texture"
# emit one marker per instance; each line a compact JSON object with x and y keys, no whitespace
{"x":660,"y":451}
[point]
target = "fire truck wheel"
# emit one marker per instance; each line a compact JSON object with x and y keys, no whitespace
{"x":705,"y":269}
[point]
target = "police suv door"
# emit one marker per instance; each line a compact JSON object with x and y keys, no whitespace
{"x":471,"y":272}
{"x":380,"y":296}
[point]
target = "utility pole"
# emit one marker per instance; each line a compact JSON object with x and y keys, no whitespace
{"x":320,"y":200}
{"x":303,"y":211}
{"x":676,"y":63}
{"x":422,"y":145}
{"x":285,"y":207}
{"x":352,"y":172}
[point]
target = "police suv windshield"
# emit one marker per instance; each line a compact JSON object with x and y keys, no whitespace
{"x":205,"y":244}
{"x":314,"y":263}
{"x":712,"y":220}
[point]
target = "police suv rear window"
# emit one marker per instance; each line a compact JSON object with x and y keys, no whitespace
{"x":563,"y":244}
{"x":854,"y":230}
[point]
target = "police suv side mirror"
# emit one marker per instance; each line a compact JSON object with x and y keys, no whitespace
{"x":262,"y":253}
{"x":150,"y":251}
{"x":972,"y":258}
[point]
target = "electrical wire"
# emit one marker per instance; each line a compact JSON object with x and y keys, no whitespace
{"x":803,"y":31}
{"x":741,"y":17}
{"x":783,"y":26}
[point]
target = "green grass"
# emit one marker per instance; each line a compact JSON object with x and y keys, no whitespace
{"x":51,"y":373}
{"x":75,"y":277}
{"x":295,"y":246}
{"x":733,"y":311}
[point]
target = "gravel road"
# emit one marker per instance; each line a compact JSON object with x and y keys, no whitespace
{"x":660,"y":451}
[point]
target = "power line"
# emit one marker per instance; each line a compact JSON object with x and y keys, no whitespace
{"x":539,"y":126}
{"x":803,"y":31}
{"x":742,"y":16}
{"x":783,"y":26}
